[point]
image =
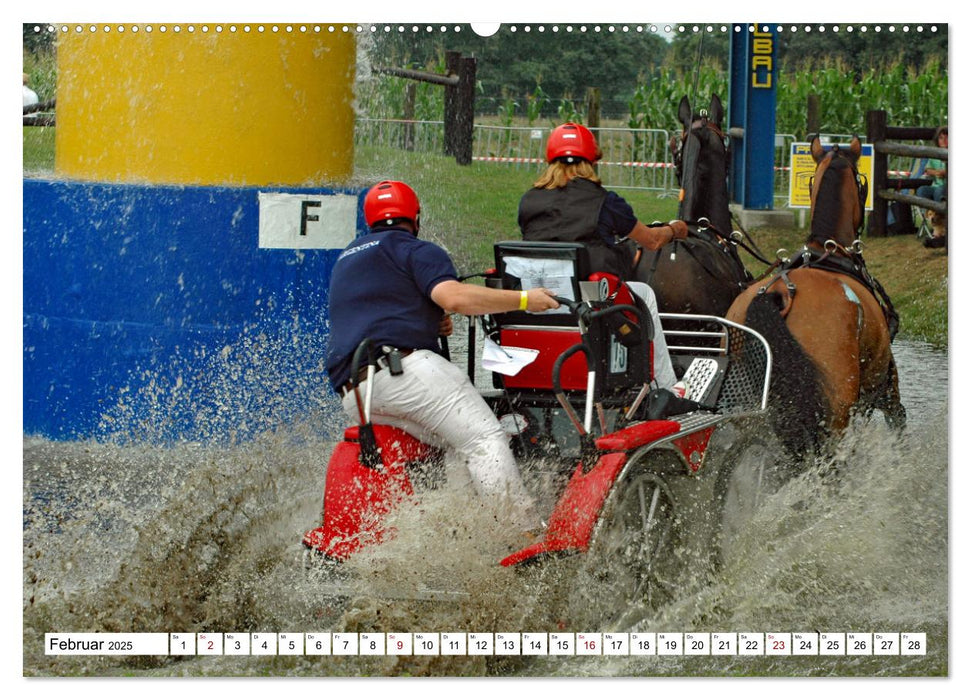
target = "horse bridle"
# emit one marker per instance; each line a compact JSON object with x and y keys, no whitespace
{"x":862,"y":185}
{"x":702,"y":122}
{"x":721,"y":239}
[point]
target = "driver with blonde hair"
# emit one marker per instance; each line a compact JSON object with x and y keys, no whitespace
{"x":569,"y":203}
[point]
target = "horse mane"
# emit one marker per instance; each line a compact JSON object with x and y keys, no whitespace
{"x":797,"y":396}
{"x":828,"y":202}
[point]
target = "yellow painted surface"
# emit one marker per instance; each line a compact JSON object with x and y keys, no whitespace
{"x":206,"y":108}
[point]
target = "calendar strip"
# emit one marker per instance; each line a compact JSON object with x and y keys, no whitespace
{"x":488,"y":644}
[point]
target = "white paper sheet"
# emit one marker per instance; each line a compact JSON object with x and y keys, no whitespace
{"x":505,"y":360}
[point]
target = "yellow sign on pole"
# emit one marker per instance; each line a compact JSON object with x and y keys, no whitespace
{"x":802,"y":166}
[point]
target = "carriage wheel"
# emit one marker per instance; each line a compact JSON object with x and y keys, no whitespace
{"x":746,"y":480}
{"x":636,"y":547}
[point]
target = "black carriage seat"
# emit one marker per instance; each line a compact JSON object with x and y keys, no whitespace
{"x":564,"y":268}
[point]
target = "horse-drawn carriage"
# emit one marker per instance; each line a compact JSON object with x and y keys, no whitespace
{"x":832,"y":341}
{"x":646,"y":474}
{"x":649,"y":477}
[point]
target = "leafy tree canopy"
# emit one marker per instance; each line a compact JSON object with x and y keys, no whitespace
{"x":34,"y":40}
{"x":562,"y":63}
{"x":859,"y":50}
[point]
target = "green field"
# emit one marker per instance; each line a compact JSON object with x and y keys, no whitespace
{"x":467,"y":209}
{"x":38,"y":149}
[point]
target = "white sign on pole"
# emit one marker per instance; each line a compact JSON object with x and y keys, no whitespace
{"x":307,"y":221}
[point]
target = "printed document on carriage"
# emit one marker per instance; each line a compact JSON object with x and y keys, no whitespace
{"x":554,"y":275}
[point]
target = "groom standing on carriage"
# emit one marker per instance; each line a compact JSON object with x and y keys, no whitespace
{"x":393,"y":288}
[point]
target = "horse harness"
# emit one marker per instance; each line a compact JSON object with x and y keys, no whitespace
{"x":838,"y":259}
{"x":704,"y":231}
{"x":834,"y":257}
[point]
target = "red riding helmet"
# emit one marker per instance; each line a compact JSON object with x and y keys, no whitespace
{"x":390,"y":200}
{"x":572,"y":141}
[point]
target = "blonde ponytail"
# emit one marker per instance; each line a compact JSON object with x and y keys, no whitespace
{"x":559,"y":173}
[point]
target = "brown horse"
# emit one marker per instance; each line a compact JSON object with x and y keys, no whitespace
{"x":703,"y":273}
{"x":828,"y":322}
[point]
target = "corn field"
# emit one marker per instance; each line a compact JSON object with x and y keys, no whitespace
{"x":910,"y":97}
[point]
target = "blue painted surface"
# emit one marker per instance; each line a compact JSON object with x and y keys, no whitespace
{"x":753,"y":77}
{"x":151,"y":313}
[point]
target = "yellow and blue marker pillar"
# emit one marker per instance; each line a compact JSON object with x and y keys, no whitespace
{"x":176,"y":267}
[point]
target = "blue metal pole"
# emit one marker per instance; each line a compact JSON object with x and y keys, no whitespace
{"x":753,"y":65}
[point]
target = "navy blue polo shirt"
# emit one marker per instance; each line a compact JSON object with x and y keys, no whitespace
{"x":616,"y":220}
{"x":380,"y":289}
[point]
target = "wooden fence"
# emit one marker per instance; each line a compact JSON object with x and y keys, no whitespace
{"x":885,"y":188}
{"x":459,"y":84}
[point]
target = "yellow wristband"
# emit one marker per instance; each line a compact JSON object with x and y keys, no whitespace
{"x":523,"y":300}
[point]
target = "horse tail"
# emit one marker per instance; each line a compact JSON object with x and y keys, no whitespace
{"x":889,"y":400}
{"x":796,"y":396}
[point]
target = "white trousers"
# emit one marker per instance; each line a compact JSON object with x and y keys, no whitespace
{"x":663,"y":369}
{"x":434,"y":401}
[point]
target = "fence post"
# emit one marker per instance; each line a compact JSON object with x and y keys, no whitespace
{"x":464,"y":112}
{"x":593,"y":108}
{"x":452,"y":61}
{"x":876,"y":131}
{"x":593,"y":116}
{"x":812,"y":114}
{"x":408,"y":113}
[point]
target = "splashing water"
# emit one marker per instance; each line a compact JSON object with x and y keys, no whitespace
{"x":195,"y":537}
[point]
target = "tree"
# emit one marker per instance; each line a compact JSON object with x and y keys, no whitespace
{"x":37,"y":38}
{"x":690,"y":49}
{"x":564,"y":63}
{"x":862,"y":50}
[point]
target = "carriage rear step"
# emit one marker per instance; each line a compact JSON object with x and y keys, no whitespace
{"x":702,"y":379}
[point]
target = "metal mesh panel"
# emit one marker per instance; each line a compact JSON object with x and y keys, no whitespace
{"x":699,"y":376}
{"x":636,"y":159}
{"x":744,"y":381}
{"x":632,"y":158}
{"x":417,"y":136}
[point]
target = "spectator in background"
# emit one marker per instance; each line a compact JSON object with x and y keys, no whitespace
{"x":937,"y":169}
{"x":937,"y":191}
